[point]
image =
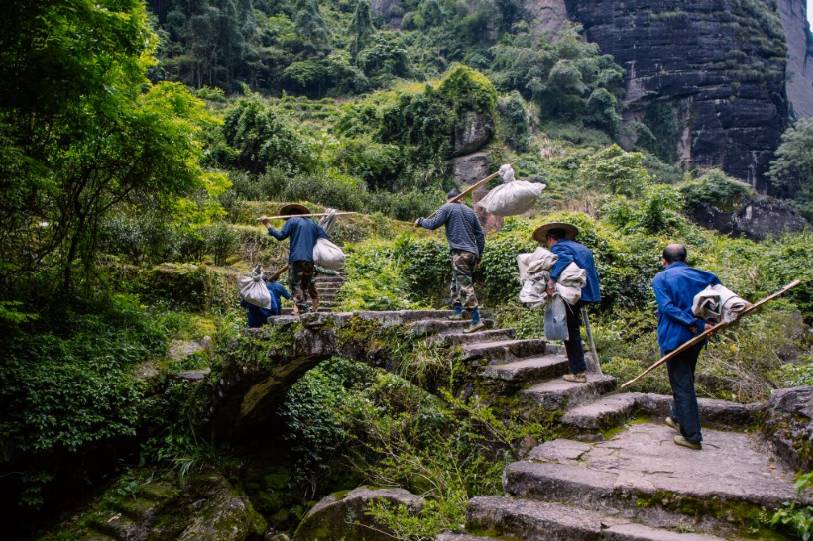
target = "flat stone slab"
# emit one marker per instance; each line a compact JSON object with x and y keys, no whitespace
{"x":531,"y":520}
{"x":533,"y":368}
{"x":463,"y":537}
{"x":427,"y":327}
{"x":643,"y":461}
{"x":486,"y":335}
{"x":601,"y":413}
{"x":558,"y":393}
{"x":504,"y":351}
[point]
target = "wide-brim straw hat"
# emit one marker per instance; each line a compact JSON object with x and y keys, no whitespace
{"x":292,"y":209}
{"x":571,"y":231}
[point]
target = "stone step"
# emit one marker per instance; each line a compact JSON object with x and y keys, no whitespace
{"x":531,"y":520}
{"x":503,"y":351}
{"x":93,"y":534}
{"x":606,"y":412}
{"x":485,"y":335}
{"x":116,"y":525}
{"x":329,"y":280}
{"x":426,"y":327}
{"x":528,"y":369}
{"x":610,"y":411}
{"x":136,"y":508}
{"x":559,"y":394}
{"x":464,"y":537}
{"x":643,"y":475}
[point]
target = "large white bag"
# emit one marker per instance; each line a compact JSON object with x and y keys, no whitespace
{"x":328,"y":255}
{"x":253,"y":289}
{"x":513,"y":197}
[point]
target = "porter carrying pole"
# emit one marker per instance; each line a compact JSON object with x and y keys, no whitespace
{"x":708,"y":332}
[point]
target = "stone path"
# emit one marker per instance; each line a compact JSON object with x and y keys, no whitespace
{"x":328,"y":288}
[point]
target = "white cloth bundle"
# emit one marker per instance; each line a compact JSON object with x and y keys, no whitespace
{"x":328,"y":255}
{"x":570,"y":283}
{"x":253,"y":289}
{"x":513,"y":197}
{"x":718,"y":303}
{"x":538,"y":260}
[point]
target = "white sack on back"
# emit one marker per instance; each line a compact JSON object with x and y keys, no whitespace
{"x":507,"y":173}
{"x":533,"y":293}
{"x":328,"y":255}
{"x":718,"y":303}
{"x":253,"y":289}
{"x":511,"y":199}
{"x":570,"y":283}
{"x":538,"y":260}
{"x":556,"y":319}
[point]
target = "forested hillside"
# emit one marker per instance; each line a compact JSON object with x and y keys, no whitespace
{"x":141,"y":141}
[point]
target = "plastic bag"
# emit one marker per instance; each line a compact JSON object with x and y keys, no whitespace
{"x":253,"y":289}
{"x":556,"y":319}
{"x":328,"y":255}
{"x":507,"y":173}
{"x":327,"y":221}
{"x":512,"y":198}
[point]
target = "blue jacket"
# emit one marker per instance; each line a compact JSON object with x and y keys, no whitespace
{"x":463,"y":229}
{"x":675,"y":288}
{"x":304,"y":233}
{"x":257,"y":317}
{"x":569,"y":251}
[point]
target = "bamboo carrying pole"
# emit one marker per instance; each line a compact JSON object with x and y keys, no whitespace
{"x":708,"y":332}
{"x":303,"y":215}
{"x":467,"y":191}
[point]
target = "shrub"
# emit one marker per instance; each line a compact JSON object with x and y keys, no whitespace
{"x":378,"y":164}
{"x":616,"y":171}
{"x":514,"y":123}
{"x":715,"y":189}
{"x":466,"y":89}
{"x":221,"y":242}
{"x":407,"y":205}
{"x":331,"y":189}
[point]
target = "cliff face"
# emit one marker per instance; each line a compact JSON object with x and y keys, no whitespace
{"x":800,"y":56}
{"x":706,"y":77}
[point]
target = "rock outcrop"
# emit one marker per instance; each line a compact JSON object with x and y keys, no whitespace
{"x":712,"y":69}
{"x":472,"y":132}
{"x":790,"y":426}
{"x":756,"y":218}
{"x":345,"y":516}
{"x":800,"y":56}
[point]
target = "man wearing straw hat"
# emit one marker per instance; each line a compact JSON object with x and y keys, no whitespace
{"x":303,"y":233}
{"x":560,"y":239}
{"x":466,"y":243}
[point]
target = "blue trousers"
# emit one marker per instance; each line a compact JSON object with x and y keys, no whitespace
{"x":684,"y":405}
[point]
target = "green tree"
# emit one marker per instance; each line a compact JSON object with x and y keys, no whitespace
{"x":616,"y":171}
{"x":311,"y":25}
{"x":361,"y":27}
{"x":83,"y":131}
{"x":791,"y":173}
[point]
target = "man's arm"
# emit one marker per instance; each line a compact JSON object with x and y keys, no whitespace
{"x":668,"y":308}
{"x":438,"y":220}
{"x":479,"y":236}
{"x":281,"y":235}
{"x":564,"y":258}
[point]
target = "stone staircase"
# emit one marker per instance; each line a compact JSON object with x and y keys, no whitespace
{"x":618,"y":476}
{"x":328,"y":288}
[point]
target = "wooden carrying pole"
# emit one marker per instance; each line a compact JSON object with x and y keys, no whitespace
{"x":468,"y":190}
{"x":304,"y":215}
{"x":708,"y":332}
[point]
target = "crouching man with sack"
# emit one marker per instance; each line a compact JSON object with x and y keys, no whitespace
{"x":560,"y":239}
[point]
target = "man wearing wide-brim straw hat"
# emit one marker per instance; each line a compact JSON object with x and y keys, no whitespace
{"x":560,"y":239}
{"x":303,"y":233}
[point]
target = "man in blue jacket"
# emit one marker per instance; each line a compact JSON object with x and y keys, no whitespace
{"x":466,"y":240}
{"x":675,"y":288}
{"x":560,"y":240}
{"x":303,"y":233}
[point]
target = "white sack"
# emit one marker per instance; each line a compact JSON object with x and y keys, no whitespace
{"x":718,"y":303}
{"x":328,"y":255}
{"x":512,"y":198}
{"x":556,"y":319}
{"x":507,"y":173}
{"x":570,"y":283}
{"x":538,"y":260}
{"x":533,"y":293}
{"x":253,"y":289}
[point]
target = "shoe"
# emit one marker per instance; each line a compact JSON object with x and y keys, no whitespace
{"x":672,"y":424}
{"x":683,"y":442}
{"x":575,"y":378}
{"x":474,"y":327}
